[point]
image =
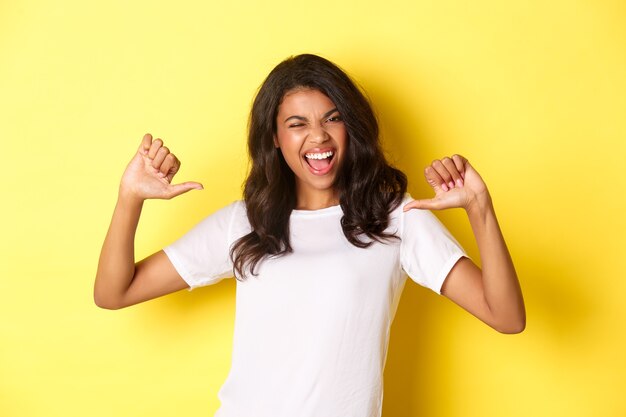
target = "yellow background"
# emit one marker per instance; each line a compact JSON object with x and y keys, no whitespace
{"x":533,"y":93}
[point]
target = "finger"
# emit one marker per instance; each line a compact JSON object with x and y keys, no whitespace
{"x":170,"y":167}
{"x":145,"y":144}
{"x":459,"y":162}
{"x":443,"y":173}
{"x":178,"y":189}
{"x":426,"y":204}
{"x":154,"y":148}
{"x":434,"y":179}
{"x":160,"y":156}
{"x":456,"y":175}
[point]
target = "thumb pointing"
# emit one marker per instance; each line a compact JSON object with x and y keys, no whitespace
{"x":428,"y":204}
{"x":178,"y":189}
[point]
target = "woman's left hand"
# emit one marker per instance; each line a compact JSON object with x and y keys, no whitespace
{"x":456,"y":184}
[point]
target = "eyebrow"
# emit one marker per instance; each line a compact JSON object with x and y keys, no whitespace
{"x":328,"y":113}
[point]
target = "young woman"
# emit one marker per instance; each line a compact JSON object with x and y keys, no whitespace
{"x":321,"y":246}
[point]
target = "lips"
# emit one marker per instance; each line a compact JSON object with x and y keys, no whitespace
{"x":320,"y":160}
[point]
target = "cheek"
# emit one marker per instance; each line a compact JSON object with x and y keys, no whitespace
{"x":289,"y":146}
{"x":341,"y":135}
{"x":344,"y":136}
{"x":289,"y":141}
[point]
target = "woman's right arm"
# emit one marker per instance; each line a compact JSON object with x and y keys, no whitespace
{"x":119,"y":281}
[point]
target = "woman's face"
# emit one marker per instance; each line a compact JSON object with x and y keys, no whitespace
{"x":312,"y":138}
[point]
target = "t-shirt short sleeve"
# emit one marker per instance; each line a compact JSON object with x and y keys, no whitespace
{"x":427,"y":250}
{"x":202,"y":255}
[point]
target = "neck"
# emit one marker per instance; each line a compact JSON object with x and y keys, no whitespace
{"x":316,"y":200}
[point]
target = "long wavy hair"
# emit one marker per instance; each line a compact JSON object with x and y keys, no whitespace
{"x":369,"y":188}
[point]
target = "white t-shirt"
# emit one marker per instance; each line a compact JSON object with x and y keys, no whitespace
{"x":312,"y":329}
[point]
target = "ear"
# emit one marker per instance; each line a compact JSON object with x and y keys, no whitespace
{"x":276,"y":145}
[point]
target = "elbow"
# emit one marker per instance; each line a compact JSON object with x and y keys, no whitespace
{"x":512,"y":330}
{"x":512,"y":327}
{"x":106,"y":305}
{"x":105,"y":302}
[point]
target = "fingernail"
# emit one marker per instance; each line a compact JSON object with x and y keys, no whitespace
{"x":451,"y":184}
{"x":444,"y":186}
{"x":459,"y":182}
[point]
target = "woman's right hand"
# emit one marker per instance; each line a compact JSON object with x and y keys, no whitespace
{"x":149,"y":174}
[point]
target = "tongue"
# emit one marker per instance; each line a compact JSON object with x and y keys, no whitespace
{"x":319,"y":164}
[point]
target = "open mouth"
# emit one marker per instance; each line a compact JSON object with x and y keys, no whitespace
{"x":320,"y":162}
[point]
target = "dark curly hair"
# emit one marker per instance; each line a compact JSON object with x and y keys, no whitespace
{"x":369,"y":187}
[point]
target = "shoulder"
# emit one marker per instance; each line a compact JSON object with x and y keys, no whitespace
{"x":399,"y":214}
{"x":227,"y":213}
{"x":239,"y":225}
{"x":237,"y":208}
{"x":236,"y":211}
{"x":414,"y":219}
{"x":227,"y":219}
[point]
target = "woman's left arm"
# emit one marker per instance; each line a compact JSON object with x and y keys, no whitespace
{"x":492,"y":294}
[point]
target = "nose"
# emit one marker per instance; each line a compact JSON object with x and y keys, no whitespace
{"x":318,"y":134}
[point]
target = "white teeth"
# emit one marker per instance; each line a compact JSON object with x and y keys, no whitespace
{"x":323,"y":155}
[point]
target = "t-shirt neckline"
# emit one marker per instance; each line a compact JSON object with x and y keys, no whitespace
{"x":318,"y":212}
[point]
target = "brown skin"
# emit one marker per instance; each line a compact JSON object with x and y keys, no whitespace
{"x":119,"y":281}
{"x":492,"y":294}
{"x":307,"y":121}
